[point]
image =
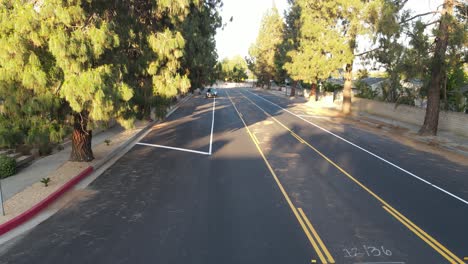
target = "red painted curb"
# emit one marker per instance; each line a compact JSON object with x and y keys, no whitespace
{"x":31,"y":212}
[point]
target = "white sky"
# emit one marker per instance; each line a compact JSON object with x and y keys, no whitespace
{"x":239,"y":34}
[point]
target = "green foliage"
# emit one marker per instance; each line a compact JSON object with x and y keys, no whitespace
{"x":362,"y":74}
{"x":199,"y":29}
{"x":263,"y":53}
{"x":45,"y":181}
{"x":331,"y":87}
{"x":100,"y":59}
{"x":233,"y":69}
{"x":7,"y":166}
{"x":364,"y":90}
{"x":415,"y":59}
{"x":45,"y":149}
{"x":322,"y":48}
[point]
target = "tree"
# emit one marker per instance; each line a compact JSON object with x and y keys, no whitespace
{"x":327,"y":39}
{"x":290,"y":41}
{"x":199,"y":29}
{"x":438,"y":70}
{"x":31,"y":111}
{"x":233,"y":70}
{"x":84,"y":62}
{"x":263,"y":51}
{"x":320,"y":48}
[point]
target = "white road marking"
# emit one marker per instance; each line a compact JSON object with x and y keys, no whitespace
{"x":174,"y":148}
{"x":212,"y":125}
{"x":365,"y":150}
{"x":314,"y":116}
{"x":184,"y":149}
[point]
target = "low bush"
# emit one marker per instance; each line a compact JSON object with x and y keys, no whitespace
{"x":7,"y":166}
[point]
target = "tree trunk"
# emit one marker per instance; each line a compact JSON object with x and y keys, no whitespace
{"x":431,"y":119}
{"x":347,"y":89}
{"x":444,"y":86}
{"x":313,"y":91}
{"x":293,"y":89}
{"x":81,"y":139}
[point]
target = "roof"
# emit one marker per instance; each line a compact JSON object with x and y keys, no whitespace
{"x":372,"y":80}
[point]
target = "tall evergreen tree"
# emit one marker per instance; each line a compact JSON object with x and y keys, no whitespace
{"x":264,"y":51}
{"x":290,"y":40}
{"x":199,"y":29}
{"x":321,"y":49}
{"x":89,"y":61}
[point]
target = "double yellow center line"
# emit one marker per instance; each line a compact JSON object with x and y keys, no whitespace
{"x":442,"y":250}
{"x":307,"y":227}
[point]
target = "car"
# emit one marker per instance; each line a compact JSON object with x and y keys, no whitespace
{"x":211,"y":93}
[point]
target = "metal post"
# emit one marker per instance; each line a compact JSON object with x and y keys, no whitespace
{"x":1,"y":199}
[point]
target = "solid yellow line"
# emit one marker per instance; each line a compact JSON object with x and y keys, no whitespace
{"x":361,"y":185}
{"x":426,"y":235}
{"x":317,"y":237}
{"x":419,"y":234}
{"x":283,"y":191}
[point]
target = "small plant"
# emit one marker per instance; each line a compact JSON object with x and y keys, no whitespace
{"x":45,"y":181}
{"x":7,"y":166}
{"x":107,"y":141}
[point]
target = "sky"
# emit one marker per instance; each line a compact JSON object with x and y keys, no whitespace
{"x":239,"y":34}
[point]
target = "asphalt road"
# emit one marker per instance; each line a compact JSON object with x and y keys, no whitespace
{"x":244,"y":179}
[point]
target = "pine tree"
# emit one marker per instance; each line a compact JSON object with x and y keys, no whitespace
{"x":30,"y":111}
{"x":199,"y":29}
{"x":438,"y":71}
{"x":90,"y":61}
{"x":320,"y":47}
{"x":264,"y":51}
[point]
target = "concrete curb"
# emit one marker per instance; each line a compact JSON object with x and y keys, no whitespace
{"x":33,"y":211}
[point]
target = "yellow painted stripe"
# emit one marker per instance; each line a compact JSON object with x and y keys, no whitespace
{"x":430,"y":238}
{"x":298,"y":138}
{"x":425,"y":234}
{"x":317,"y":237}
{"x":283,"y":191}
{"x":419,"y":234}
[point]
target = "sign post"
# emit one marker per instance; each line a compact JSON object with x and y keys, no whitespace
{"x":1,"y":199}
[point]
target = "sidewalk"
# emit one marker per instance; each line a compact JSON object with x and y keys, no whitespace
{"x":445,"y":140}
{"x":24,"y":190}
{"x":42,"y":167}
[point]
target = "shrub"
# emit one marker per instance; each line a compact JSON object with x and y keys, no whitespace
{"x":7,"y":166}
{"x":45,"y":149}
{"x":365,"y":91}
{"x":331,"y":87}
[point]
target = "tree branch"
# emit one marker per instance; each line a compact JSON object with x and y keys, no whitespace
{"x":365,"y":52}
{"x":419,"y":15}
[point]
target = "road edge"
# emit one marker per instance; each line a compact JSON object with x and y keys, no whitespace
{"x":29,"y":214}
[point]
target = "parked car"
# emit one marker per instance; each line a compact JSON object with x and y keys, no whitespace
{"x":211,"y":92}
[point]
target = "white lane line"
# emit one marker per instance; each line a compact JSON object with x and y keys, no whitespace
{"x":313,"y":116}
{"x":173,"y":148}
{"x":365,"y":150}
{"x":212,"y":125}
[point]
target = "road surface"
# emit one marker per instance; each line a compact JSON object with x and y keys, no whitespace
{"x":245,"y":179}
